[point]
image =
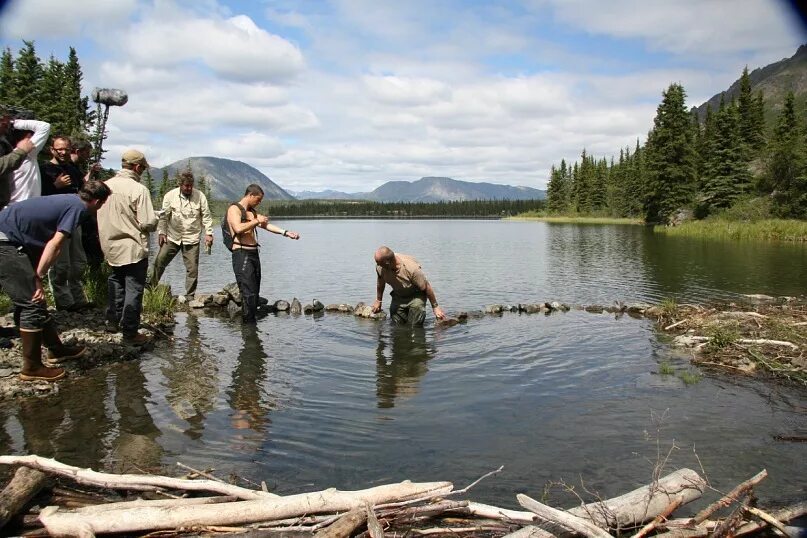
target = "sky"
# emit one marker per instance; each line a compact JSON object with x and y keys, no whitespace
{"x":350,"y":94}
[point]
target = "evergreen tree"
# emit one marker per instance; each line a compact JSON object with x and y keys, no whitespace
{"x":6,"y":76}
{"x":787,"y":166}
{"x":584,"y":179}
{"x":28,"y":72}
{"x":670,"y":158}
{"x":726,"y":173}
{"x":557,"y":190}
{"x":751,"y":130}
{"x":165,"y":186}
{"x":51,"y":87}
{"x":148,"y":181}
{"x":598,"y":184}
{"x":75,"y":108}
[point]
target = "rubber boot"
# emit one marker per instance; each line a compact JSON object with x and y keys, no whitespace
{"x":32,"y":367}
{"x":57,"y":351}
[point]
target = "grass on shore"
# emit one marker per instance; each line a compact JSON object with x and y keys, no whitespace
{"x":721,"y":228}
{"x":544,"y":216}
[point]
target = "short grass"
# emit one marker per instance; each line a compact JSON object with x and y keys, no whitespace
{"x":665,"y":368}
{"x":689,"y":378}
{"x":718,"y":228}
{"x":573,"y":219}
{"x":158,"y":303}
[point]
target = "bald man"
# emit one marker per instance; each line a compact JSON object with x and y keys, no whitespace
{"x":410,"y":288}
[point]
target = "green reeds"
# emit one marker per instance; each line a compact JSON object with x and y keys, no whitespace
{"x":721,"y":228}
{"x":158,"y":303}
{"x":574,"y":218}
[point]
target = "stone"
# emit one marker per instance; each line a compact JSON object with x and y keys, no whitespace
{"x":494,"y":309}
{"x":332,"y":308}
{"x":530,"y":308}
{"x":233,"y":309}
{"x":181,"y":300}
{"x":282,"y":306}
{"x":232,"y":290}
{"x":204,"y":298}
{"x":638,"y":308}
{"x":318,"y":306}
{"x":220,"y":299}
{"x":196,"y":303}
{"x":448,"y":322}
{"x":593,"y":308}
{"x":308,"y":309}
{"x":346,"y":308}
{"x":296,"y":307}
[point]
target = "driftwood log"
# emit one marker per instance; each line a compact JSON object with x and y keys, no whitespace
{"x":23,"y":486}
{"x":131,"y":481}
{"x":144,"y":518}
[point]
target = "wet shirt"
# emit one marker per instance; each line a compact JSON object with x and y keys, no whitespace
{"x":408,"y":279}
{"x":33,"y":222}
{"x":125,"y":220}
{"x":185,"y":218}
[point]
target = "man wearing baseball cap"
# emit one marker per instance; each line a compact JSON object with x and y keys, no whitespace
{"x":124,"y":223}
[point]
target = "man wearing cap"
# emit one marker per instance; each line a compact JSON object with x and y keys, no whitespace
{"x":410,"y":288}
{"x":124,"y":223}
{"x":184,"y":216}
{"x":31,"y":234}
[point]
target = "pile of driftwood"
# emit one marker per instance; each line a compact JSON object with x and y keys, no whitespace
{"x":166,"y":506}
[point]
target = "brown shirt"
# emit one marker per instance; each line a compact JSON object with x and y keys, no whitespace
{"x":125,"y":220}
{"x":408,"y":279}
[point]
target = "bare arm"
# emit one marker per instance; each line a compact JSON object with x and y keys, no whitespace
{"x":238,"y":227}
{"x":280,"y":231}
{"x":438,"y":312}
{"x":49,"y":256}
{"x":379,"y":293}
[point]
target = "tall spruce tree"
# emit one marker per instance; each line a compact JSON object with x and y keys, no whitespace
{"x":670,"y":158}
{"x":752,"y":131}
{"x":76,"y":109}
{"x":51,"y":87}
{"x":28,"y":72}
{"x":6,"y":76}
{"x":726,"y":173}
{"x":787,"y":167}
{"x":165,"y":186}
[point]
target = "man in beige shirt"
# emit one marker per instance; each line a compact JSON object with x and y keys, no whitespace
{"x":124,"y":223}
{"x":410,"y":288}
{"x":184,"y":215}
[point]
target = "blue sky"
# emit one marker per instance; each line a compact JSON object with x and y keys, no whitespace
{"x":349,"y":94}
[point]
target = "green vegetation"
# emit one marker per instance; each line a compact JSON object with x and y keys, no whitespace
{"x":704,"y":166}
{"x":721,"y":335}
{"x":5,"y":304}
{"x":669,"y":307}
{"x":665,"y":368}
{"x":95,"y":284}
{"x":575,"y":219}
{"x":158,"y":303}
{"x":689,"y":377}
{"x":364,"y":208}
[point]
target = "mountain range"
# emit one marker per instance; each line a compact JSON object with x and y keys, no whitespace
{"x":228,"y":178}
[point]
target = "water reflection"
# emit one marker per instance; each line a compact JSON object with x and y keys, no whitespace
{"x":401,"y":358}
{"x":190,"y":380}
{"x":245,"y":394}
{"x":101,"y":417}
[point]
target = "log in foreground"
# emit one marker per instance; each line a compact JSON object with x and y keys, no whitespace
{"x":75,"y":523}
{"x":23,"y":486}
{"x":130,"y":481}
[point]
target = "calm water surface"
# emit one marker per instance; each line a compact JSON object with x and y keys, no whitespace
{"x":307,"y":402}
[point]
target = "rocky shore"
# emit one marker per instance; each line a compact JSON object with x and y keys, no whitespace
{"x":760,"y":335}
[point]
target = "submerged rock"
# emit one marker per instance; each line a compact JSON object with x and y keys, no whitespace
{"x":282,"y":306}
{"x":233,"y":309}
{"x":494,"y":309}
{"x":366,"y":311}
{"x":308,"y":309}
{"x":232,"y":290}
{"x":317,"y":306}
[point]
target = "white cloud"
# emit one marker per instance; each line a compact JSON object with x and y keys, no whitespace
{"x":234,"y":48}
{"x":25,"y":19}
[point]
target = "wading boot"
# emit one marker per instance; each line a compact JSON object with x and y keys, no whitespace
{"x":57,"y":351}
{"x":32,"y":367}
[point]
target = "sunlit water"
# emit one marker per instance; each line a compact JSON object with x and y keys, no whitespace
{"x":307,"y":402}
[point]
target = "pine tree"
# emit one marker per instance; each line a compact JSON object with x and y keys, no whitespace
{"x":751,"y":131}
{"x":165,"y":185}
{"x":670,"y":158}
{"x":556,"y":195}
{"x":787,"y":166}
{"x":52,"y":86}
{"x":6,"y":76}
{"x":28,"y":73}
{"x":726,"y":173}
{"x":598,"y":184}
{"x":75,"y":107}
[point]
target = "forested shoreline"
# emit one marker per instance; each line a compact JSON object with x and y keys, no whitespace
{"x":696,"y":167}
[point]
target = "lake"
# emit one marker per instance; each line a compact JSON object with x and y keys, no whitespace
{"x":307,"y":402}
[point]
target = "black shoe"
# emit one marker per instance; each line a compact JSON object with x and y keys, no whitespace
{"x":111,"y":327}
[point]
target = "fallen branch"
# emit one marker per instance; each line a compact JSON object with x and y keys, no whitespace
{"x":733,"y":496}
{"x":783,"y":514}
{"x":650,"y":527}
{"x":345,"y":525}
{"x":130,"y":481}
{"x":676,"y":324}
{"x":23,"y":486}
{"x":767,"y":518}
{"x":577,"y":524}
{"x":139,"y":519}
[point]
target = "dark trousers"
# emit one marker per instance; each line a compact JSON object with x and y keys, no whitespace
{"x":126,"y":285}
{"x":247,"y":269}
{"x":190,"y":255}
{"x":17,"y":278}
{"x":408,"y":310}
